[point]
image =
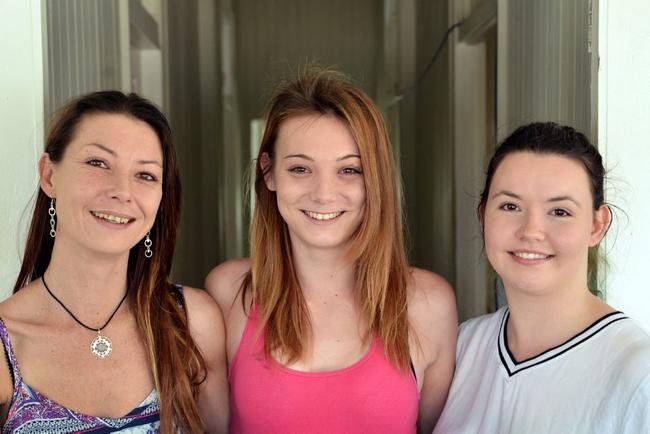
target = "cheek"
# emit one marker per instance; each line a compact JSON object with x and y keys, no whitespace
{"x":495,"y":231}
{"x":290,"y":190}
{"x":285,"y":197}
{"x":148,"y":197}
{"x":153,"y":203}
{"x":355,"y":192}
{"x":572,"y":240}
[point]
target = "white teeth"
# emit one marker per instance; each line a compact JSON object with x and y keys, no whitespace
{"x":111,"y":218}
{"x":326,"y":216}
{"x":527,"y":255}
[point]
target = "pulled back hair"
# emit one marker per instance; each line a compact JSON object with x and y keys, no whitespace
{"x":552,"y":139}
{"x":549,"y":138}
{"x":377,"y":246}
{"x":178,"y":367}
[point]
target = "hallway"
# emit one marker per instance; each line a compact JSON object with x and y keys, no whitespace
{"x":451,"y":77}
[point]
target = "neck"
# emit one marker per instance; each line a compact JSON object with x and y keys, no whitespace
{"x":90,"y":286}
{"x":323,"y":272}
{"x":539,"y":322}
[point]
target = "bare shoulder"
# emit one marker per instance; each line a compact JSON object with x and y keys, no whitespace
{"x":201,"y":308}
{"x":430,"y":294}
{"x":432,"y":313}
{"x":209,"y":334}
{"x":434,"y":326}
{"x":15,"y":311}
{"x":224,"y":281}
{"x":205,"y":318}
{"x":6,"y":385}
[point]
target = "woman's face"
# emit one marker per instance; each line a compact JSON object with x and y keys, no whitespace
{"x":318,"y":180}
{"x":539,"y":222}
{"x":108,"y":185}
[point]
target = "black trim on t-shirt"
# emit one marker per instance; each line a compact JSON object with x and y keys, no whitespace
{"x":589,"y":332}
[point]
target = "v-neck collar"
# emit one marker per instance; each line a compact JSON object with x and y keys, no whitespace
{"x":513,"y":367}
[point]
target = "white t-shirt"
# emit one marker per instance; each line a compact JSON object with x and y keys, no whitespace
{"x":596,"y":382}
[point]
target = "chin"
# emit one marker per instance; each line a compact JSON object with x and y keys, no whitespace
{"x":528,"y":286}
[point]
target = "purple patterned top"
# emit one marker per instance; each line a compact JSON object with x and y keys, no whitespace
{"x":31,"y":412}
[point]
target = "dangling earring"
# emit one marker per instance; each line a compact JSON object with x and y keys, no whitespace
{"x":52,"y":212}
{"x":147,"y":243}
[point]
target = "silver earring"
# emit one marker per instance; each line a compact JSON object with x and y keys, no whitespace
{"x":52,"y":212}
{"x":147,"y":244}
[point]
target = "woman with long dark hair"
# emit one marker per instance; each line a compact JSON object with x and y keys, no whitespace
{"x":329,"y":329}
{"x":96,"y":339}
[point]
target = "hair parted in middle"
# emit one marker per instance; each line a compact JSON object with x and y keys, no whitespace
{"x":177,"y":365}
{"x":377,"y":247}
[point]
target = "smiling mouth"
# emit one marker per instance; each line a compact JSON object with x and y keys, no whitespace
{"x":322,"y":216}
{"x":531,"y":256}
{"x":121,"y":220}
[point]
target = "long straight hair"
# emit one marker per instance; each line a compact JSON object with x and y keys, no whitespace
{"x":175,"y":361}
{"x":377,"y":247}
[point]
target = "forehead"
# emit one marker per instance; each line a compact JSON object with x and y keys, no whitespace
{"x":125,"y":135}
{"x":547,"y":174}
{"x":315,"y":133}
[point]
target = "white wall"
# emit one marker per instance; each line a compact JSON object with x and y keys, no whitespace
{"x":624,"y":140}
{"x":21,"y":126}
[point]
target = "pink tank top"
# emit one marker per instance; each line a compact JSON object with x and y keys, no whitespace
{"x":371,"y":396}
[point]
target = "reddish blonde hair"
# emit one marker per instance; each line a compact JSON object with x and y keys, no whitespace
{"x":377,"y":247}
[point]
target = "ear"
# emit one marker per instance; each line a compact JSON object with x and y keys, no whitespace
{"x":46,"y":172}
{"x":601,"y":221}
{"x":480,"y":213}
{"x":267,"y":170}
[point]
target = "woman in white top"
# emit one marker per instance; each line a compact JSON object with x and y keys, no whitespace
{"x":557,"y":359}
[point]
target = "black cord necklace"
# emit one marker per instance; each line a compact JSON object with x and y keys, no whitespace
{"x":101,"y":346}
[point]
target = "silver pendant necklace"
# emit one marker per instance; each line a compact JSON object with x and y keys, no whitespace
{"x":101,"y":346}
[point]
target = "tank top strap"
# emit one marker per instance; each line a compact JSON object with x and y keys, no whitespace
{"x":252,"y":336}
{"x":251,"y":342}
{"x":10,"y":355}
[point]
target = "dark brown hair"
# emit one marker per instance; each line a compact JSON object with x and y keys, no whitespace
{"x":176,"y":363}
{"x":377,"y":246}
{"x":551,"y":138}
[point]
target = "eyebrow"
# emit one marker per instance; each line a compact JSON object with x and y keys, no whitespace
{"x":345,"y":157}
{"x":113,"y":153}
{"x":506,"y":193}
{"x":552,"y":199}
{"x":562,"y":198}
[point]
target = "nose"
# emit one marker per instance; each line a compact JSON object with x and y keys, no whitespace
{"x":324,"y":188}
{"x":531,"y":227}
{"x":120,"y":187}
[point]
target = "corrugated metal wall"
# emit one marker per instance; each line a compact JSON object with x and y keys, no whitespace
{"x":82,"y":49}
{"x":427,"y":146}
{"x":275,"y":38}
{"x":545,"y":64}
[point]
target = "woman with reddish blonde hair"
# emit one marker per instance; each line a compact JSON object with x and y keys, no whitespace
{"x":328,"y":329}
{"x":95,"y":337}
